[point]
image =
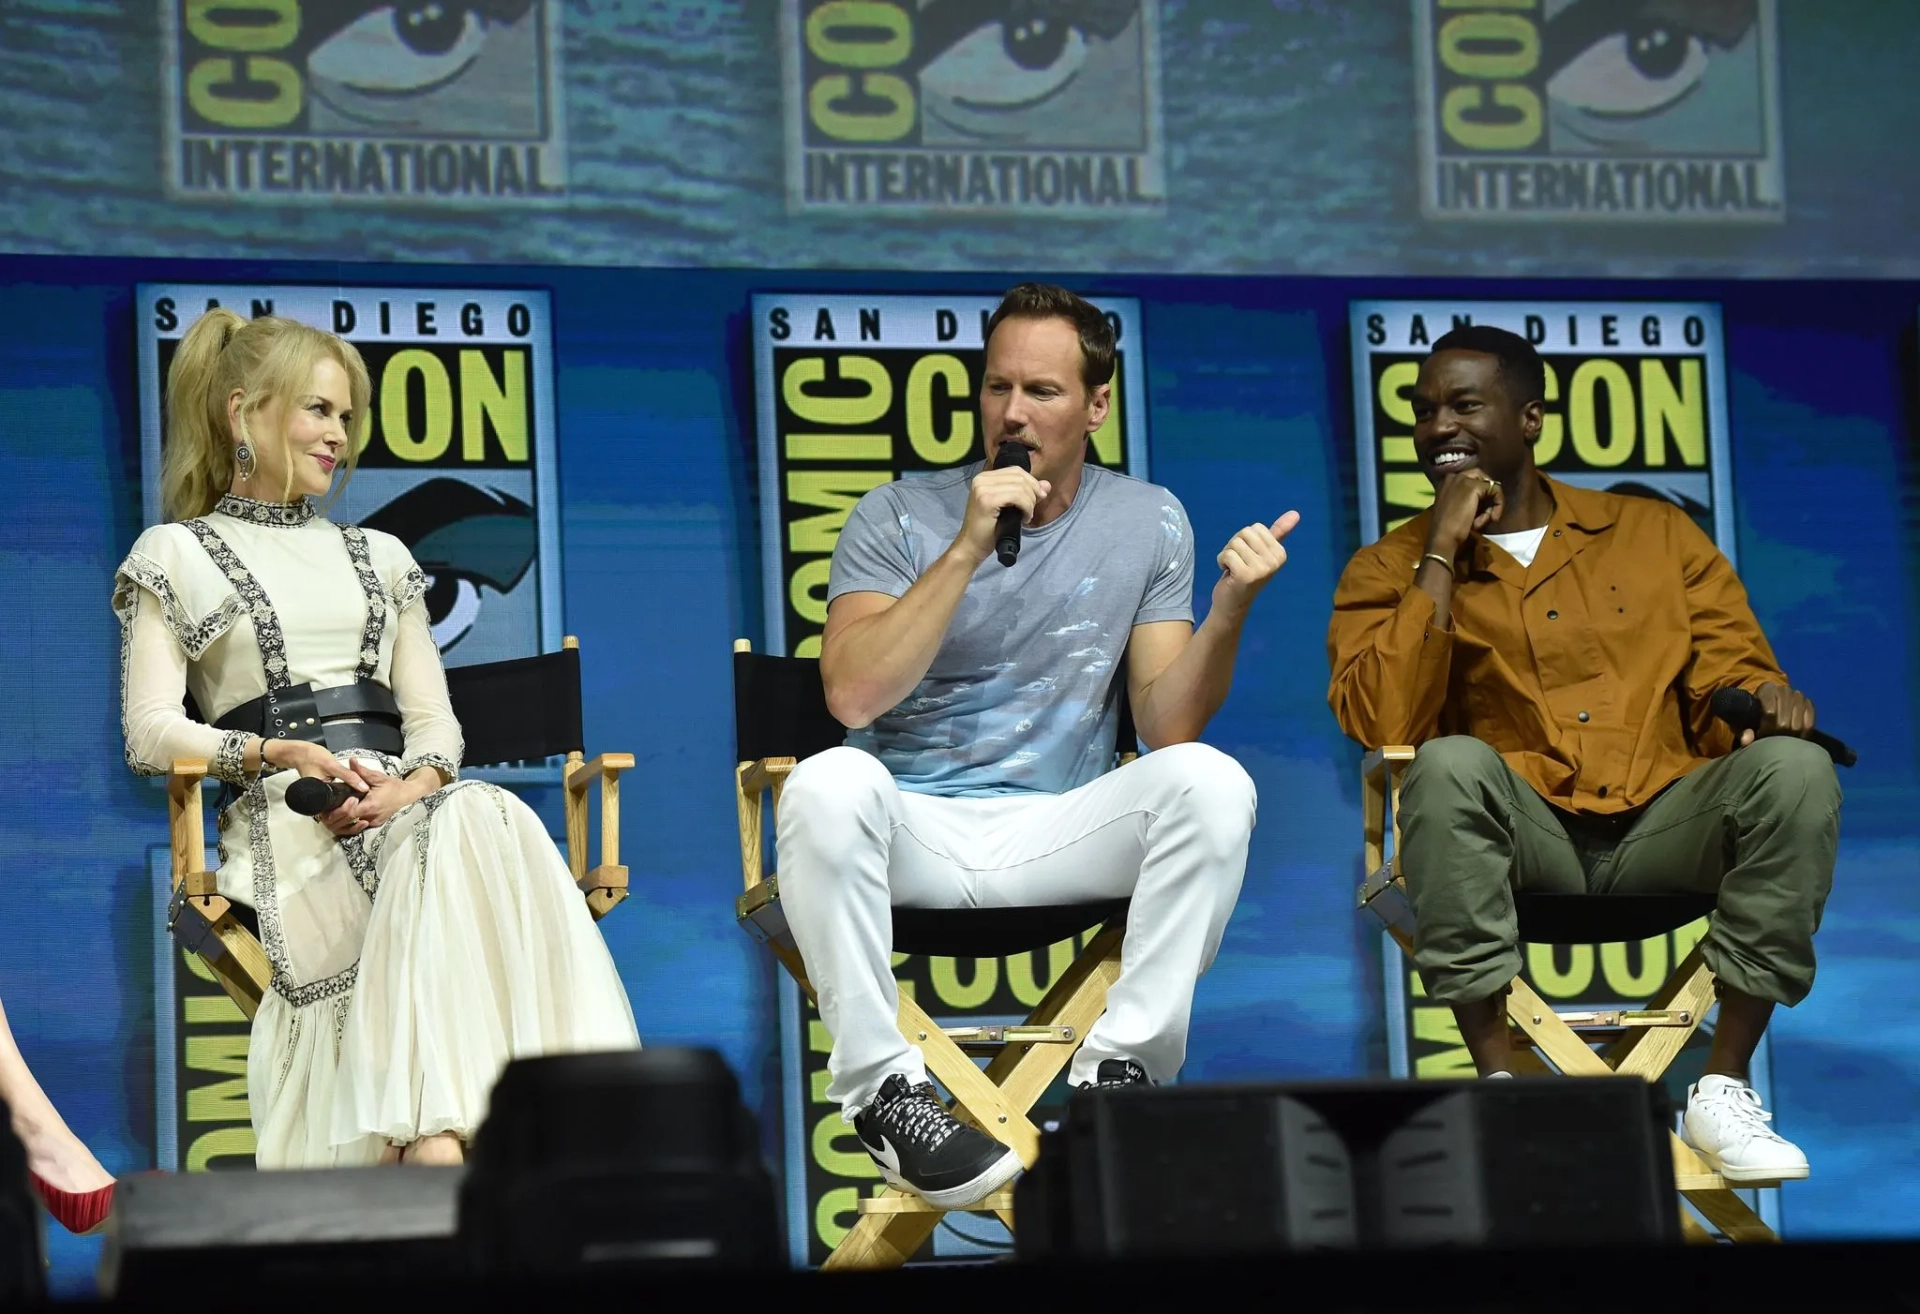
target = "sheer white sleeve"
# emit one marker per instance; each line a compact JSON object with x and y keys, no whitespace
{"x":420,"y":687}
{"x":153,"y":685}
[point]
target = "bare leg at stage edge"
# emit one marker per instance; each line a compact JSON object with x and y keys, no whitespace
{"x":54,"y":1153}
{"x":440,"y":1150}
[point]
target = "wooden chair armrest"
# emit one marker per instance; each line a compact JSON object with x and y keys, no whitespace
{"x":1380,"y":772}
{"x":579,"y":777}
{"x":761,"y":775}
{"x":1378,"y":759}
{"x":604,"y":887}
{"x":606,"y":884}
{"x":186,"y":824}
{"x":199,"y":917}
{"x":755,"y":779}
{"x":186,"y":774}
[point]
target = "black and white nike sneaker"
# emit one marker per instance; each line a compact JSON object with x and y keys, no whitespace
{"x":922,"y":1148}
{"x":1115,"y":1073}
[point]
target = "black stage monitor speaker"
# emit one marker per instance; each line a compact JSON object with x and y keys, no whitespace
{"x":1224,"y":1170}
{"x":596,"y":1163}
{"x":587,"y":1165}
{"x":279,"y":1231}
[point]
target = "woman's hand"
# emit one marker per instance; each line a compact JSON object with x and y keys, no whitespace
{"x":311,"y":760}
{"x":385,"y":796}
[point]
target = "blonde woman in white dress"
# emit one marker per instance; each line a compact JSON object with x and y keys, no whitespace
{"x":426,"y":930}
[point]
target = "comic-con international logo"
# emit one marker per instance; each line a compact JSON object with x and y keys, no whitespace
{"x":1615,"y":110}
{"x":1635,"y":401}
{"x":1017,"y":106}
{"x":459,"y":461}
{"x":437,"y":100}
{"x":853,"y":392}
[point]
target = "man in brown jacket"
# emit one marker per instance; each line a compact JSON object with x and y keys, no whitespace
{"x":1552,"y":650}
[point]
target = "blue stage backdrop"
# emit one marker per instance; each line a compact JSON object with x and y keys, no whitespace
{"x":1248,"y":402}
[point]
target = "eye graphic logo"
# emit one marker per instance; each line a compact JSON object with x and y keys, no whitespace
{"x":1616,"y":110}
{"x":457,"y":100}
{"x":472,"y":542}
{"x":984,"y":105}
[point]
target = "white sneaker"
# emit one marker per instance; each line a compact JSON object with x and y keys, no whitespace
{"x":1726,"y":1124}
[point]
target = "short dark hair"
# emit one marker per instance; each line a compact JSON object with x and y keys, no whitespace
{"x":1521,"y":369}
{"x":1048,"y":301}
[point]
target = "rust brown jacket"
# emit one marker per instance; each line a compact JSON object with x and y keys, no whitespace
{"x":1588,"y":671}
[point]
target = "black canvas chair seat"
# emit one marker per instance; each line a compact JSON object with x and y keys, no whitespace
{"x":996,"y":932}
{"x":1605,"y":918}
{"x":247,"y":917}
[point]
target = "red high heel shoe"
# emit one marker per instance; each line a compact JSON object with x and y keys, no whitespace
{"x":84,"y":1213}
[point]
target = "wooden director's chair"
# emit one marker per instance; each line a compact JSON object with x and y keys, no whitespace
{"x":780,"y":717}
{"x":1638,"y":1042}
{"x":525,"y":709}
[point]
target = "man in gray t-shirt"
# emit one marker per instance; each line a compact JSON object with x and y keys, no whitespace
{"x":1022,"y":696}
{"x":982,"y":702}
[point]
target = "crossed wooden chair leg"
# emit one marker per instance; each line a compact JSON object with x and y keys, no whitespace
{"x":1649,"y":1040}
{"x":894,"y":1224}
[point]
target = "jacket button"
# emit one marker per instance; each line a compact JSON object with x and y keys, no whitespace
{"x":1583,"y":716}
{"x":1553,"y":615}
{"x":1602,"y":791}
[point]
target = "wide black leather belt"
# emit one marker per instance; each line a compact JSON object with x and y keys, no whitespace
{"x":343,"y":716}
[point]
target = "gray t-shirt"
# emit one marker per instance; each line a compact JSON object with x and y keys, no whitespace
{"x":1022,"y":696}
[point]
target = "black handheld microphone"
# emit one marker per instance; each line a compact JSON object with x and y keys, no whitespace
{"x":1006,"y":539}
{"x":310,"y":796}
{"x":1742,"y":711}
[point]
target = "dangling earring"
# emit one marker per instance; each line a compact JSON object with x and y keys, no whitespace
{"x":243,"y":458}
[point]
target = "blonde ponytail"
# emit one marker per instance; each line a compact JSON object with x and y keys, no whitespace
{"x":197,"y":465}
{"x":263,"y":359}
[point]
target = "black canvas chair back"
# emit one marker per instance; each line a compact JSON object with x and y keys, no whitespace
{"x":520,"y":710}
{"x":780,"y":710}
{"x":525,"y":709}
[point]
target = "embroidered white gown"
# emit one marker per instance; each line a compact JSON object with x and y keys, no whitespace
{"x":410,"y":962}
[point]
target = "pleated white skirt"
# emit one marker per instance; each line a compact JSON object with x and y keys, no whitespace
{"x":478,"y":949}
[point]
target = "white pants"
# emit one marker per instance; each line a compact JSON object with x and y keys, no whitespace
{"x":1169,"y":829}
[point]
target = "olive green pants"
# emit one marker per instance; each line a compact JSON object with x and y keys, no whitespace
{"x":1759,"y":827}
